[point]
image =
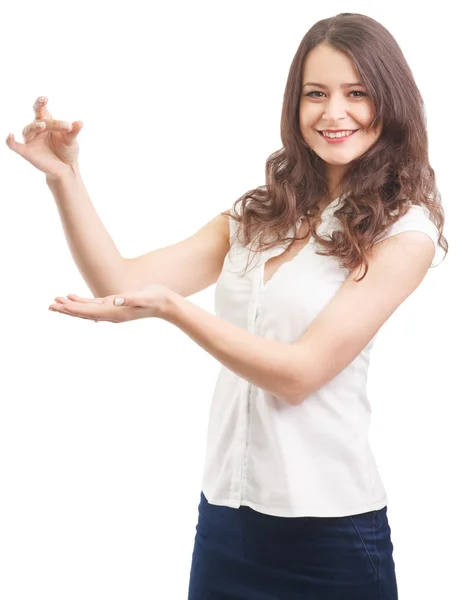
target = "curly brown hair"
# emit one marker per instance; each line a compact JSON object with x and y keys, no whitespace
{"x":380,"y":185}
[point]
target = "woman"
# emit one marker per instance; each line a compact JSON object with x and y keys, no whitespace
{"x":292,"y":505}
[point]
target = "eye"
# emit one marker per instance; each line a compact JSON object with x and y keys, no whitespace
{"x":352,"y":92}
{"x":309,"y":94}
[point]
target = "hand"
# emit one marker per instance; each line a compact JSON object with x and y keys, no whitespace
{"x":51,"y":148}
{"x":151,"y":301}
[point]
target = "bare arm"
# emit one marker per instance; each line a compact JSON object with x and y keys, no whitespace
{"x":186,"y":267}
{"x":294,"y":371}
{"x":92,"y":248}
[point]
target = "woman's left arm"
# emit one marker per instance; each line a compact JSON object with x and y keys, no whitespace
{"x":293,"y":372}
{"x":268,"y":364}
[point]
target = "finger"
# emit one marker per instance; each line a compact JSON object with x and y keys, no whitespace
{"x":87,"y":307}
{"x":31,"y":130}
{"x":14,"y":145}
{"x":82,"y":312}
{"x":76,"y":298}
{"x":76,"y":129}
{"x":73,"y":298}
{"x":70,"y":314}
{"x":55,"y":125}
{"x":70,"y":308}
{"x":41,"y":108}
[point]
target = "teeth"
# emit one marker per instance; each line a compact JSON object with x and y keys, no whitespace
{"x":337,"y":135}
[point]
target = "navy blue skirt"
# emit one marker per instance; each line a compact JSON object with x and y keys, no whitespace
{"x":242,"y":554}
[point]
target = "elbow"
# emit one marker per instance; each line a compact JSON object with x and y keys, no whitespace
{"x":298,"y":394}
{"x":288,"y":394}
{"x":296,"y":400}
{"x":292,"y":386}
{"x":306,"y":378}
{"x":302,"y":389}
{"x":298,"y":385}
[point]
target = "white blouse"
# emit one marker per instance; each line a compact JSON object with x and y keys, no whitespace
{"x":313,"y":459}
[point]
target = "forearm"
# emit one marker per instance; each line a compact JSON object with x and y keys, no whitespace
{"x":269,"y":364}
{"x":93,"y":250}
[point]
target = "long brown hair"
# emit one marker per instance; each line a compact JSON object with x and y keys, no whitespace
{"x":380,"y":185}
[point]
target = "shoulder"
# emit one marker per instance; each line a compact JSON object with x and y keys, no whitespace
{"x":417,"y":219}
{"x":405,"y":252}
{"x":232,"y":222}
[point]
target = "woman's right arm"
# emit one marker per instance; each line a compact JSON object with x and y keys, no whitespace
{"x":186,"y":267}
{"x":92,"y":248}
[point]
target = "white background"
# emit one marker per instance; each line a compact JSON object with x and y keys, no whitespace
{"x":103,"y":428}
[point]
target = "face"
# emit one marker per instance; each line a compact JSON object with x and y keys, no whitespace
{"x":331,"y":106}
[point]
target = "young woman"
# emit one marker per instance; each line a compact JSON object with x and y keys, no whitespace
{"x":349,"y":222}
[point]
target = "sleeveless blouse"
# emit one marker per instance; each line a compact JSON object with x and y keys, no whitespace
{"x":313,"y":459}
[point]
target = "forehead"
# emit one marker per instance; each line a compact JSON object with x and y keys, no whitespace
{"x":327,"y":65}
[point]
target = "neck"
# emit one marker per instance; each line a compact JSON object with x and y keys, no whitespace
{"x":334,"y":176}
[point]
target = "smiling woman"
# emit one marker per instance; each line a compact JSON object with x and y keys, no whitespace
{"x":337,"y":116}
{"x":291,"y":504}
{"x":345,"y":229}
{"x":347,"y":130}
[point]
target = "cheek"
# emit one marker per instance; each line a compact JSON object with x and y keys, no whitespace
{"x":308,"y":121}
{"x":366,"y":114}
{"x":374,"y":134}
{"x":377,"y":133}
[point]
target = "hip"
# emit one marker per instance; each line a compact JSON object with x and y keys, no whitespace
{"x":258,"y":556}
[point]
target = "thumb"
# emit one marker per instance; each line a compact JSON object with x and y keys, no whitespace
{"x":76,"y":129}
{"x":132,"y":299}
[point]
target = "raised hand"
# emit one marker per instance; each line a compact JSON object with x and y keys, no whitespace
{"x":50,"y":145}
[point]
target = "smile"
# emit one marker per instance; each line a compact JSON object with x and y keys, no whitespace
{"x":337,"y":139}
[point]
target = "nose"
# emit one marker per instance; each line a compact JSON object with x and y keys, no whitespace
{"x":335,"y":109}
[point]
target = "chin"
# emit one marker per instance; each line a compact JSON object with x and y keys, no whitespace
{"x":339,"y":163}
{"x":336,"y":160}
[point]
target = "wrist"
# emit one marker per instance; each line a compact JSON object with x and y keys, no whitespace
{"x":69,"y":172}
{"x":171,"y":306}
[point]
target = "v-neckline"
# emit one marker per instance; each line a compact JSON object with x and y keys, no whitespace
{"x":268,"y":254}
{"x":263,"y":284}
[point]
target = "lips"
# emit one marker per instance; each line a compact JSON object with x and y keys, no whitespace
{"x":337,"y":140}
{"x":320,"y":131}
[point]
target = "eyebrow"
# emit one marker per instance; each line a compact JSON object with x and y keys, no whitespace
{"x":321,"y":85}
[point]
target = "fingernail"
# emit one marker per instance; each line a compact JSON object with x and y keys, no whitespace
{"x":118,"y":301}
{"x":66,"y":125}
